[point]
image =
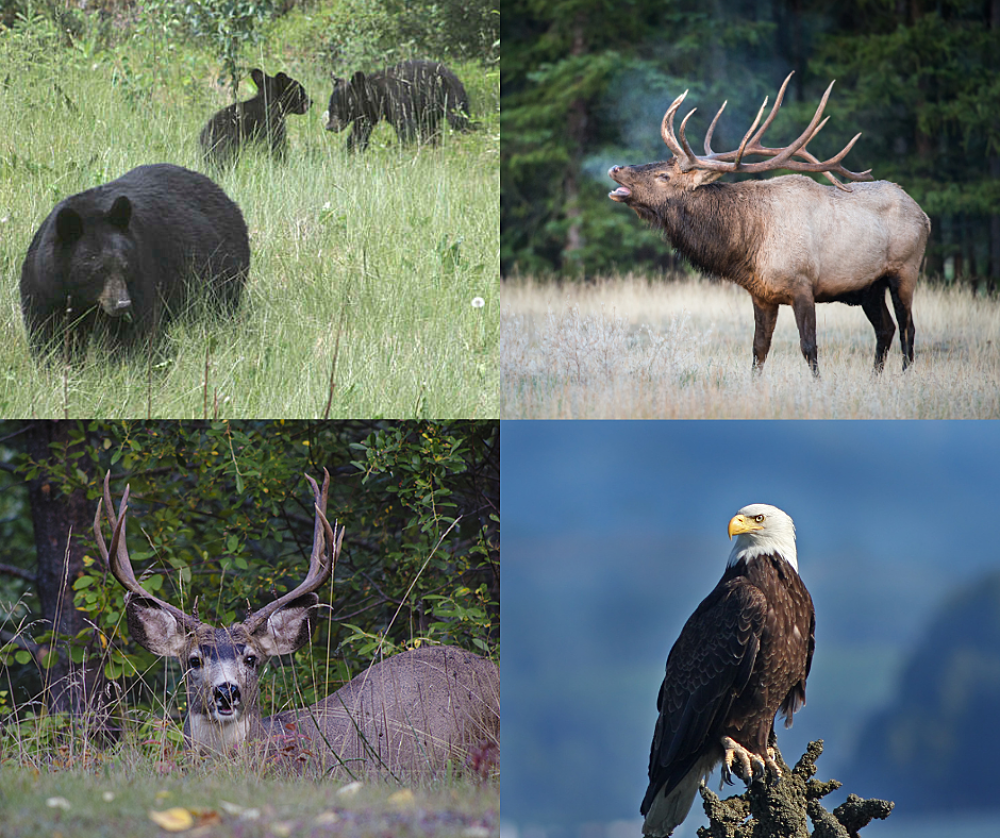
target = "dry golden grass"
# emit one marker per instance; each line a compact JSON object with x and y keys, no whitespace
{"x":626,"y":347}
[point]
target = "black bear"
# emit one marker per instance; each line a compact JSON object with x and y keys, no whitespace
{"x":123,"y":257}
{"x":412,"y":96}
{"x":260,"y":119}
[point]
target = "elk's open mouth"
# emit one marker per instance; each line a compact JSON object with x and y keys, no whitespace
{"x":620,"y":194}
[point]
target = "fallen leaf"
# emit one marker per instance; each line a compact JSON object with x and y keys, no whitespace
{"x":177,"y":819}
{"x":403,"y":797}
{"x":326,"y":818}
{"x":57,"y":803}
{"x":349,"y":789}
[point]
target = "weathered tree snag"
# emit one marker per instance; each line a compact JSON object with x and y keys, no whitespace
{"x":57,"y":516}
{"x":783,"y":809}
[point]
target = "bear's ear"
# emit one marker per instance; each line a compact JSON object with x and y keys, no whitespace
{"x":282,"y":80}
{"x":258,"y":78}
{"x":358,"y":79}
{"x":121,"y":212}
{"x":69,"y":225}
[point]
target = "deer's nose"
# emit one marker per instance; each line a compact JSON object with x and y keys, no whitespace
{"x":227,"y":697}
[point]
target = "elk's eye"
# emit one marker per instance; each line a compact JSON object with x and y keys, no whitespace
{"x":250,"y":660}
{"x":194,"y":662}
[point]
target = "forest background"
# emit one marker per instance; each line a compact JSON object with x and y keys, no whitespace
{"x":585,"y":85}
{"x":221,"y":512}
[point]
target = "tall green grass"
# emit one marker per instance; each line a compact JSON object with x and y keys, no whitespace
{"x":364,"y":267}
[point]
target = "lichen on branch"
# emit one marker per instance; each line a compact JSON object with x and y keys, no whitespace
{"x":784,"y":808}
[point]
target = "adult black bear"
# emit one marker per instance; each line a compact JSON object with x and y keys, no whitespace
{"x":260,"y":119}
{"x":413,"y":96}
{"x":123,"y":257}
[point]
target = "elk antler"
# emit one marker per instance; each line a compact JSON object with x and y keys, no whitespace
{"x":117,"y":558}
{"x":326,"y":548}
{"x":781,"y":158}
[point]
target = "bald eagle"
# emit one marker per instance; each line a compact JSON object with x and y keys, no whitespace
{"x":742,"y":657}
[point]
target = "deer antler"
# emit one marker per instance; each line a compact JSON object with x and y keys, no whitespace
{"x":781,"y":158}
{"x":117,"y":558}
{"x":326,"y":548}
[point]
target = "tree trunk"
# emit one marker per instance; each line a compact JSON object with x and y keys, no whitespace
{"x":577,"y":129}
{"x":993,"y":282}
{"x":59,"y":518}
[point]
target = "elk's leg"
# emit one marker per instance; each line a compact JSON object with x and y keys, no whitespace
{"x":805,"y":319}
{"x":877,"y":313}
{"x":902,"y":301}
{"x":765,"y":315}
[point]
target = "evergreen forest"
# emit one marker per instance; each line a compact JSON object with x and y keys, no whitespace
{"x":586,"y":83}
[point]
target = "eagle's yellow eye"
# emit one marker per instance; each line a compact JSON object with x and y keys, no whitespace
{"x":759,"y":519}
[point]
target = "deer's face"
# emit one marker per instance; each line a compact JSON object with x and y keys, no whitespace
{"x":220,"y":671}
{"x":221,"y":665}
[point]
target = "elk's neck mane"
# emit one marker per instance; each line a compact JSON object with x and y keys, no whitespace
{"x":718,"y":227}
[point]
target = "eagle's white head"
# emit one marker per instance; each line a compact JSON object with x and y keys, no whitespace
{"x":761,"y":530}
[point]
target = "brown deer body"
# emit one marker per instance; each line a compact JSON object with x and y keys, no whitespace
{"x":787,"y":240}
{"x":411,"y":713}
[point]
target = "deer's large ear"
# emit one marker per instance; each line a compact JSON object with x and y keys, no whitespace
{"x":154,"y":628}
{"x":288,"y":628}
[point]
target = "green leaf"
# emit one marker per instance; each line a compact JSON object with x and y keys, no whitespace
{"x":22,"y":656}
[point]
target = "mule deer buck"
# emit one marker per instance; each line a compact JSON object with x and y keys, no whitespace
{"x":411,"y":713}
{"x":787,"y":240}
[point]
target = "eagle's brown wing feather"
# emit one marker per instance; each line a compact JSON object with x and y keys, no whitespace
{"x":709,"y":664}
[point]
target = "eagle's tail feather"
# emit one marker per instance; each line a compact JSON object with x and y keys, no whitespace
{"x":665,"y":811}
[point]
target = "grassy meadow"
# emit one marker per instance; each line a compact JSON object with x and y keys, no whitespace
{"x":627,"y":347}
{"x":231,"y":801}
{"x":364,"y":266}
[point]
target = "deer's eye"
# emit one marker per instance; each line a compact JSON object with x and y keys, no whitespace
{"x":250,"y":660}
{"x":194,"y":662}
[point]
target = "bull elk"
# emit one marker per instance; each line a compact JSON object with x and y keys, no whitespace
{"x":787,"y":240}
{"x":411,"y":713}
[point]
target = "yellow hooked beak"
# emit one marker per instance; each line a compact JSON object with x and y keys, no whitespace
{"x":741,"y":524}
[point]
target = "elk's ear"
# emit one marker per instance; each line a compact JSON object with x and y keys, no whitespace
{"x":154,"y":628}
{"x":699,"y":177}
{"x":288,"y":628}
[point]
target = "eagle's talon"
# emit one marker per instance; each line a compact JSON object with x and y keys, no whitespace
{"x":748,"y":766}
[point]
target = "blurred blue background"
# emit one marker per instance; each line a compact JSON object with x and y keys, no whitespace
{"x":614,"y":532}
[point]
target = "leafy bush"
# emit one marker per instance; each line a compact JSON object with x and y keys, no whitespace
{"x":221,"y":520}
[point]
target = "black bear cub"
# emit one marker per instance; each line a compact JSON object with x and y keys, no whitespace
{"x":413,"y":97}
{"x":260,"y":119}
{"x":122,"y":258}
